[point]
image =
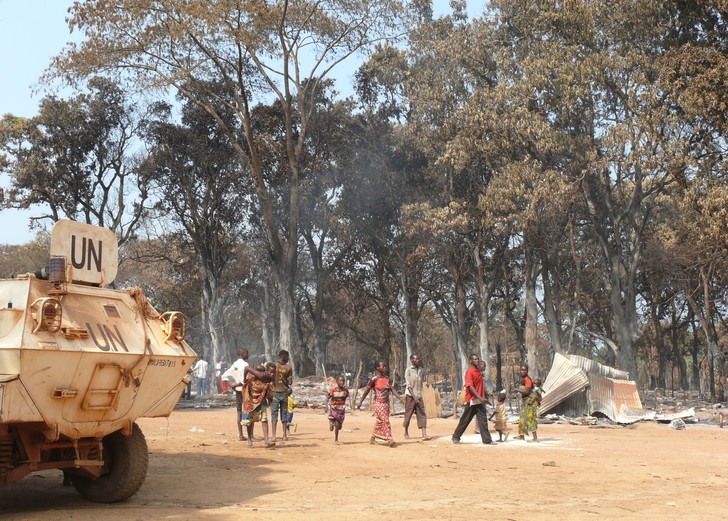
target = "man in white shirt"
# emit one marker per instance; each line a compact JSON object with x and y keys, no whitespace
{"x":199,"y":371}
{"x":235,"y":377}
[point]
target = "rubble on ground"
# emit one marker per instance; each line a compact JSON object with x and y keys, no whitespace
{"x":213,"y":401}
{"x":673,"y":409}
{"x":677,"y":424}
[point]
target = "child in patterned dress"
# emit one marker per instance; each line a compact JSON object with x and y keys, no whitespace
{"x":337,"y":409}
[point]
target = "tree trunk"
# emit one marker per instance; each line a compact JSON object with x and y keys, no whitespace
{"x":267,"y":314}
{"x":551,"y":313}
{"x":677,"y":338}
{"x":498,"y":367}
{"x":484,"y":341}
{"x":716,"y":356}
{"x":216,"y":327}
{"x":204,"y":321}
{"x":662,"y":355}
{"x":315,"y":358}
{"x":282,"y":245}
{"x":531,"y":331}
{"x":321,"y":340}
{"x":620,"y":243}
{"x":485,"y":291}
{"x":460,"y":355}
{"x":215,"y":317}
{"x":461,"y":325}
{"x":694,"y":352}
{"x":459,"y":345}
{"x":286,"y":318}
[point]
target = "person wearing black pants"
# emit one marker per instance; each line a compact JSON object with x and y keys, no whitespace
{"x":475,"y":398}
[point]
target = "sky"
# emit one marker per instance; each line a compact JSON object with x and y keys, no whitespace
{"x":31,"y":32}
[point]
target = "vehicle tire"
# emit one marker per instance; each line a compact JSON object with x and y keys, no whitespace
{"x":127,"y":459}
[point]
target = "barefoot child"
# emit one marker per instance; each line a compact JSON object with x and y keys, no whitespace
{"x":337,"y":409}
{"x":500,"y":417}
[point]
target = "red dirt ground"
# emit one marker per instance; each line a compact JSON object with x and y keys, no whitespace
{"x":198,"y":470}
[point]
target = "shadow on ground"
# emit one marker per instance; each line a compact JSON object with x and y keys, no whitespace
{"x":172,"y":481}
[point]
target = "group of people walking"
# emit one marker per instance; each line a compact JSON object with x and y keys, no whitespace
{"x":266,"y":390}
{"x":382,"y":390}
{"x":476,"y":399}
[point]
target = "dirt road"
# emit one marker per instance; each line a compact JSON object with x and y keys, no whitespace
{"x":198,"y":470}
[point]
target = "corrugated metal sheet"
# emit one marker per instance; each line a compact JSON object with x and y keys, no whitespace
{"x":618,"y":400}
{"x":564,"y":380}
{"x":592,"y":367}
{"x":669,"y":416}
{"x":574,"y":406}
{"x":577,"y":386}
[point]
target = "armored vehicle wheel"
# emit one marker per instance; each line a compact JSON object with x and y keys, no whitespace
{"x":127,"y":459}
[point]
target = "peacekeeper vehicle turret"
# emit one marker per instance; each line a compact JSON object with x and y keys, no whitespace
{"x":79,"y":363}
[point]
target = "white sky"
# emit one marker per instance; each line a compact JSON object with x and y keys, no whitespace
{"x":31,"y":32}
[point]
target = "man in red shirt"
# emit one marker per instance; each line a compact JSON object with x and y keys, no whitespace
{"x":476,"y":398}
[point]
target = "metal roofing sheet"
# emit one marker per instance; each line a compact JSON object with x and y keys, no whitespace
{"x":618,"y":400}
{"x":576,"y":386}
{"x":564,"y":380}
{"x":590,"y":366}
{"x":574,"y":406}
{"x":669,"y":416}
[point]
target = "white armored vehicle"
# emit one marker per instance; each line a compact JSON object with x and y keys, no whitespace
{"x":79,"y":363}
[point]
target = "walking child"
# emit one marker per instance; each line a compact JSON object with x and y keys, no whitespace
{"x":337,"y":410}
{"x":289,"y":417}
{"x":500,"y":417}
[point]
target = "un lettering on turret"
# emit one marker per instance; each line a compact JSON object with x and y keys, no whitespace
{"x":91,"y":252}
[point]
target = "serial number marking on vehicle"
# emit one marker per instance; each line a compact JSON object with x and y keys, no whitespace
{"x":163,"y":362}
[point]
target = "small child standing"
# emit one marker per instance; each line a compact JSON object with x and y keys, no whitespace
{"x":500,"y":417}
{"x":337,"y":409}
